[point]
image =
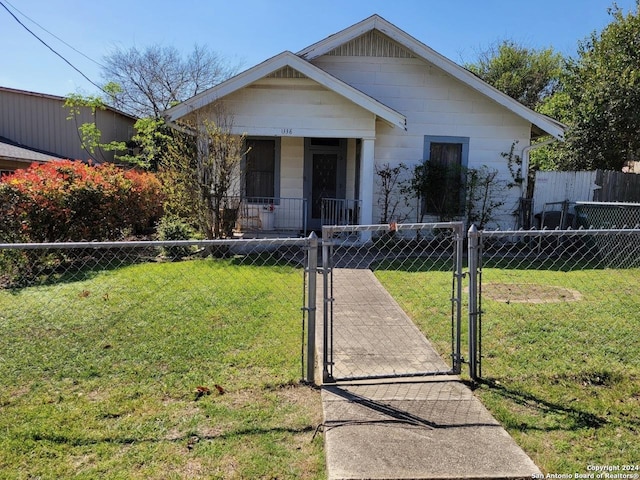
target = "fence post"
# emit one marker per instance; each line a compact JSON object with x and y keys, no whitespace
{"x":312,"y":270}
{"x":327,"y":310}
{"x":474,"y":241}
{"x":459,"y":245}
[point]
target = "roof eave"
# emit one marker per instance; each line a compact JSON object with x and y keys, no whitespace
{"x":273,"y":64}
{"x":548,"y":125}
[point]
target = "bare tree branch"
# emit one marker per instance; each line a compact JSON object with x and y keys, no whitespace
{"x":158,"y":77}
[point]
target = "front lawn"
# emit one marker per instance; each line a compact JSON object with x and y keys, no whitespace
{"x":157,"y":370}
{"x":191,"y":369}
{"x":561,"y":358}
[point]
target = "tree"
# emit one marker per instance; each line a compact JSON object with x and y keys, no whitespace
{"x":152,"y":137}
{"x":218,"y":175}
{"x":484,"y":194}
{"x":600,"y":98}
{"x":201,"y":168}
{"x":452,"y":192}
{"x":527,"y":75}
{"x":90,"y":134}
{"x":151,"y":80}
{"x":198,"y":162}
{"x":158,"y":77}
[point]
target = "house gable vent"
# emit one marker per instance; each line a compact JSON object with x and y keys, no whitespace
{"x":286,"y":72}
{"x":371,"y":44}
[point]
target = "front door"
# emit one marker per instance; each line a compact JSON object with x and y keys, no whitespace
{"x":325,"y":172}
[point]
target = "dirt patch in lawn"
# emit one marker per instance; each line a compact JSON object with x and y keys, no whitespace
{"x":529,"y":293}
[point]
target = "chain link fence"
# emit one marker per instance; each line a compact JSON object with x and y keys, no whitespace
{"x":386,"y":288}
{"x":525,"y":280}
{"x":157,"y":359}
{"x":545,"y":295}
{"x":178,"y":320}
{"x":591,"y":215}
{"x":91,"y":296}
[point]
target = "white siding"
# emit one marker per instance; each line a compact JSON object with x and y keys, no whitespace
{"x":291,"y":167}
{"x":297,"y":108}
{"x":294,"y":109}
{"x":434,"y":104}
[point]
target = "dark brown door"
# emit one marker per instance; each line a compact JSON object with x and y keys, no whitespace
{"x":325,"y":172}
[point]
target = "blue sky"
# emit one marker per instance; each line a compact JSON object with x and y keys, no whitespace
{"x":250,"y":31}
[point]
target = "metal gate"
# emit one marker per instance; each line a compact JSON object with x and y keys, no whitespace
{"x":392,"y":300}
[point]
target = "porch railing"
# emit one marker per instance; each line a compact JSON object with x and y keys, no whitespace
{"x":340,"y":211}
{"x":272,"y":214}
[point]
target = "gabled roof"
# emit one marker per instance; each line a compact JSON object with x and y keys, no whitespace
{"x":375,"y":22}
{"x":287,"y":59}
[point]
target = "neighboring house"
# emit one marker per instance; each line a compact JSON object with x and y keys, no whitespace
{"x":13,"y":157}
{"x":34,"y":127}
{"x":320,"y":121}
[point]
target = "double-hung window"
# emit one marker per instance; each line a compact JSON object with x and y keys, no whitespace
{"x":262,"y":168}
{"x":446,"y":159}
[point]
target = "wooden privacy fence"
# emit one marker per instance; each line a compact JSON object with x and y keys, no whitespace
{"x":617,"y":187}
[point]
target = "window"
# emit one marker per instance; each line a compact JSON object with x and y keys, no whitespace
{"x":262,"y":168}
{"x":446,"y":161}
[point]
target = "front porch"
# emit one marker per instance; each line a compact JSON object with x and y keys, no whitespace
{"x":263,"y":217}
{"x":310,"y":136}
{"x":317,"y":181}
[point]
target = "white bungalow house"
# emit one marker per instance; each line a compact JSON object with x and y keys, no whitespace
{"x":319,"y":122}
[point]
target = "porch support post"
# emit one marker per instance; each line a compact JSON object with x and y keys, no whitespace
{"x":366,"y":185}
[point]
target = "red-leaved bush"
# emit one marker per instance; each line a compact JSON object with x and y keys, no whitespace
{"x":72,"y":201}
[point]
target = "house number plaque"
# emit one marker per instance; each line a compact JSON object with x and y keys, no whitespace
{"x":286,"y":131}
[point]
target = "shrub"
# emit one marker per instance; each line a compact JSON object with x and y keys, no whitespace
{"x":172,"y":227}
{"x":72,"y":201}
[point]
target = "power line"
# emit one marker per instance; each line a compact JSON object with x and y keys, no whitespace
{"x":50,"y":48}
{"x":54,"y":35}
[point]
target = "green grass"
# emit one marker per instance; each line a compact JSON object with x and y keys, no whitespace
{"x":99,"y":377}
{"x":99,"y":370}
{"x":563,"y":378}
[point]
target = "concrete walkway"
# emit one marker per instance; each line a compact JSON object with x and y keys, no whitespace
{"x":429,"y":427}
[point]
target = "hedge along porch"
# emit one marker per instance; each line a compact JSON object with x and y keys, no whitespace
{"x":325,"y":117}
